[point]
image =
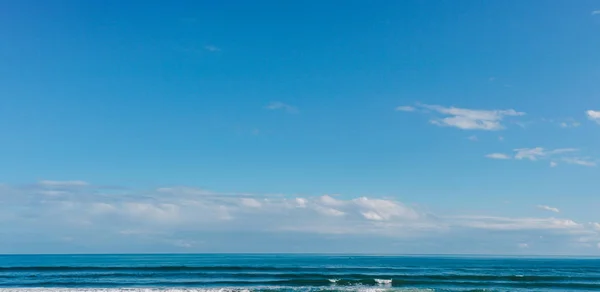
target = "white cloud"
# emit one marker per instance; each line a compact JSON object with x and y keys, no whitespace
{"x":329,"y":211}
{"x":276,"y":105}
{"x":53,"y":193}
{"x":62,"y":184}
{"x":301,"y":202}
{"x":569,"y":124}
{"x":156,"y":212}
{"x":171,"y":208}
{"x":596,"y":12}
{"x":497,"y":156}
{"x":523,"y":245}
{"x":579,"y":161}
{"x":563,"y":123}
{"x":406,"y":108}
{"x":548,"y":208}
{"x":249,"y":202}
{"x":508,"y":224}
{"x":469,"y":119}
{"x":184,"y":243}
{"x":529,"y":153}
{"x":212,"y":48}
{"x":382,"y":210}
{"x":539,"y":152}
{"x":562,"y":150}
{"x":134,"y":232}
{"x":102,"y":208}
{"x":183,"y":215}
{"x":184,"y":191}
{"x":593,"y":115}
{"x":330,"y":201}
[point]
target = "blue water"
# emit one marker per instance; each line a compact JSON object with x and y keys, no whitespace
{"x":274,"y":273}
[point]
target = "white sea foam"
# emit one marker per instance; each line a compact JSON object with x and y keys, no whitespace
{"x":125,"y":290}
{"x":254,"y":289}
{"x":333,"y":280}
{"x":391,"y":290}
{"x":383,"y":281}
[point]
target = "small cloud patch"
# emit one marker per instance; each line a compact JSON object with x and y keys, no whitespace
{"x":406,"y":108}
{"x":212,"y":48}
{"x":497,"y":156}
{"x":548,"y":208}
{"x":593,"y":115}
{"x":276,"y":105}
{"x":466,"y":119}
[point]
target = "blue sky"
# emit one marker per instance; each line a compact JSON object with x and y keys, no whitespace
{"x":308,"y":126}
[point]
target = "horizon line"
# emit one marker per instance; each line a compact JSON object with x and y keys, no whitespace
{"x":464,"y":255}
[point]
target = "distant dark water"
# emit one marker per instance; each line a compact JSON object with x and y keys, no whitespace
{"x":274,"y":273}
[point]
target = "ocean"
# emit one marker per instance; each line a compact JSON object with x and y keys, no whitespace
{"x":279,"y":273}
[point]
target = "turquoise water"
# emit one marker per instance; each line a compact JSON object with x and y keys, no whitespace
{"x":275,"y":273}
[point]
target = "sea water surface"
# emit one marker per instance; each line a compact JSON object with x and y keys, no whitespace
{"x":278,"y":273}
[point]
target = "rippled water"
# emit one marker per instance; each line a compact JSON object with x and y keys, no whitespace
{"x":275,"y":273}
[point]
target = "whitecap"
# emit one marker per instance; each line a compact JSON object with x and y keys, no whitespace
{"x":383,"y":281}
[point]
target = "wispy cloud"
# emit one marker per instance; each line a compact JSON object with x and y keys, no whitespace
{"x":596,"y":12}
{"x":406,"y":108}
{"x":62,"y":184}
{"x":473,"y":138}
{"x":548,"y":208}
{"x":512,"y":224}
{"x":563,"y":123}
{"x":276,"y":105}
{"x":212,"y":48}
{"x":497,"y":156}
{"x":593,"y":115}
{"x":539,"y":152}
{"x":530,"y":153}
{"x":183,"y":217}
{"x":579,"y":161}
{"x":184,"y":243}
{"x":469,"y":119}
{"x":569,"y":124}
